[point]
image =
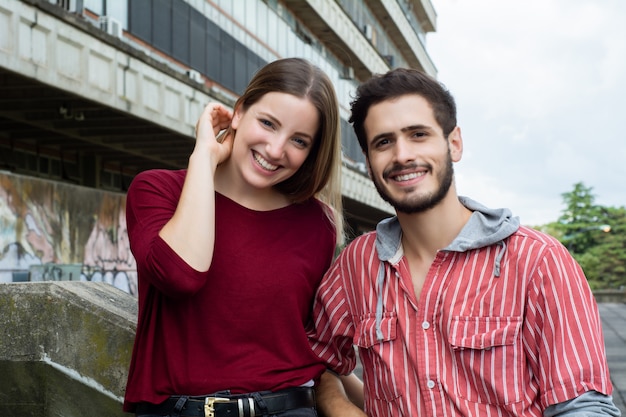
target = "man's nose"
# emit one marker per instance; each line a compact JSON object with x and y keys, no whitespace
{"x":404,"y":151}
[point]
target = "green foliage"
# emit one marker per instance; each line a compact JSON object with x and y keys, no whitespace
{"x":595,"y":236}
{"x":581,"y":220}
{"x":609,"y":266}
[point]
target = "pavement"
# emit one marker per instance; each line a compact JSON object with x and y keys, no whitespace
{"x":613,"y":317}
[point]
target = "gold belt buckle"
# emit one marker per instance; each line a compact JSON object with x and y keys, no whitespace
{"x":209,"y":410}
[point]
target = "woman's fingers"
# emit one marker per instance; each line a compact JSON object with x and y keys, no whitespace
{"x":215,"y":115}
{"x":221,"y":118}
{"x":214,"y":118}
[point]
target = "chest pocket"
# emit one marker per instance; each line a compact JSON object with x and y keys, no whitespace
{"x":488,"y":359}
{"x":375,"y":354}
{"x":365,"y":335}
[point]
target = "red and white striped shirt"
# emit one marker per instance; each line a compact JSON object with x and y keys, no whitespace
{"x":477,"y":342}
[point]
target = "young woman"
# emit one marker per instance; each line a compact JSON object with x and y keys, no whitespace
{"x":230,"y":251}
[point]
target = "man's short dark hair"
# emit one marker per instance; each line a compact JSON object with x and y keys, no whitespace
{"x":399,"y":82}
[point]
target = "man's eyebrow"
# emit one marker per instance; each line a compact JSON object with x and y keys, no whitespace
{"x":387,"y":135}
{"x":415,"y":127}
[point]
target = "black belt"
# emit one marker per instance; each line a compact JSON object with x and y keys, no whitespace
{"x":244,"y":405}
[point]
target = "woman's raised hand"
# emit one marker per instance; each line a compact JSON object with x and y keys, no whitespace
{"x":214,"y":118}
{"x":191,"y":230}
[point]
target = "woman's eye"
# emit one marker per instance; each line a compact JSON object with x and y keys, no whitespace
{"x":266,"y":122}
{"x":301,"y":142}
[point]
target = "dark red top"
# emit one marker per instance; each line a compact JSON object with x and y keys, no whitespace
{"x":238,"y":326}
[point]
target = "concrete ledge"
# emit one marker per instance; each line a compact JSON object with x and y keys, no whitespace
{"x":610,"y":296}
{"x":65,"y":348}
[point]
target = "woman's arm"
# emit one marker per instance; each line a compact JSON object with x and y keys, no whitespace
{"x":191,"y":230}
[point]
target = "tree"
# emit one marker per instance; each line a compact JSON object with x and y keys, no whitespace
{"x":595,"y":236}
{"x":605,"y":263}
{"x":581,"y":219}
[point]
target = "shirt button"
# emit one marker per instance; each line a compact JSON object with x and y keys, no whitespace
{"x":425,"y":325}
{"x":430,"y":384}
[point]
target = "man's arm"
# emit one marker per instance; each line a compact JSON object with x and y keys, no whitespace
{"x":334,"y":395}
{"x":590,"y":403}
{"x":558,"y":281}
{"x":354,"y":389}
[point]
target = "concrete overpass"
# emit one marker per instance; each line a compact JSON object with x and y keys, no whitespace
{"x":87,"y":106}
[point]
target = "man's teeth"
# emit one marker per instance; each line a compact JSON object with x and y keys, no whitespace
{"x":264,"y":163}
{"x":410,"y":176}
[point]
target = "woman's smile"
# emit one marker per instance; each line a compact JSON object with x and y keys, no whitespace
{"x":264,"y":163}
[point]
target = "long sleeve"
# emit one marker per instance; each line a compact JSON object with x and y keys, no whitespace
{"x":151,"y":202}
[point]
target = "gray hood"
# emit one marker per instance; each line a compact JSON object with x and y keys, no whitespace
{"x":485,"y":227}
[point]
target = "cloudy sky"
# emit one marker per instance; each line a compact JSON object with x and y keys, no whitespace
{"x":541,"y":95}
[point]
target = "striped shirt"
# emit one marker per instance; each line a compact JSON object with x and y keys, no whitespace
{"x":477,"y":342}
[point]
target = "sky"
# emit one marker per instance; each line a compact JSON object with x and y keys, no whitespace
{"x":540,"y":87}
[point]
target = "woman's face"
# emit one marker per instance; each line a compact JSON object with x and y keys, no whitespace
{"x":273,"y":138}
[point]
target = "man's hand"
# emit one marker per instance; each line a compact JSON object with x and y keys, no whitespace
{"x":335,"y":396}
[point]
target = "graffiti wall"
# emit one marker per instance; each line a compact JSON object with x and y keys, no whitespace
{"x":55,"y":231}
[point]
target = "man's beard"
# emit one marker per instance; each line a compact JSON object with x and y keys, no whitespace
{"x":421,"y":203}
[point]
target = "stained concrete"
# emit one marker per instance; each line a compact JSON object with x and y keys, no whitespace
{"x":65,"y":348}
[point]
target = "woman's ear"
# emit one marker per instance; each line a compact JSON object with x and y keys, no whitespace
{"x":237,"y":115}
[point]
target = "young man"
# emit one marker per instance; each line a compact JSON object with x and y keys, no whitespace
{"x":455,"y":308}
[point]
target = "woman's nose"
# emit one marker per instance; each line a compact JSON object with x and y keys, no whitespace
{"x":276,"y":148}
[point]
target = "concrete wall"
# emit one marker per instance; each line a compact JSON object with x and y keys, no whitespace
{"x":610,"y":296}
{"x":65,"y":348}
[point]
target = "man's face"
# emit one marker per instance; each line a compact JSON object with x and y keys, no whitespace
{"x":409,"y":158}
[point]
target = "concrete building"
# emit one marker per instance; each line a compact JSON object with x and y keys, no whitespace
{"x":94,"y":91}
